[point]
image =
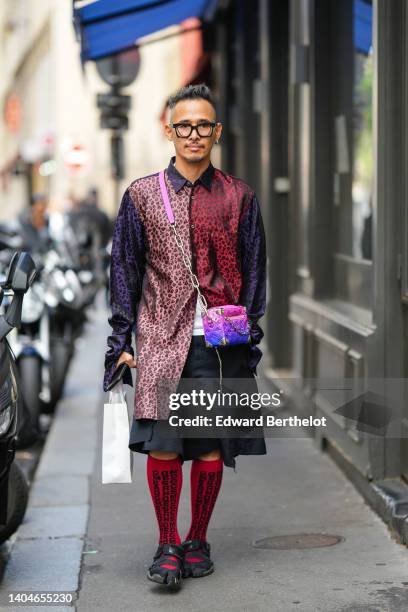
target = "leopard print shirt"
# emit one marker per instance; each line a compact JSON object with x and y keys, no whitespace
{"x":151,"y":294}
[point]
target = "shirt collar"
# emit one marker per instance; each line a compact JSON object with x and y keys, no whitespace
{"x":178,"y":180}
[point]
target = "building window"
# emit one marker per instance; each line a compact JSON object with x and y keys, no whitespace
{"x":352,"y":70}
{"x":362,"y":139}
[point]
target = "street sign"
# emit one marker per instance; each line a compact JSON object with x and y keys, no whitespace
{"x":13,"y":113}
{"x":119,"y":70}
{"x":76,"y":158}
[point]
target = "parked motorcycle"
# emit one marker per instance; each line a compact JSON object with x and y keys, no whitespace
{"x":54,"y":312}
{"x":52,"y":318}
{"x":30,"y":346}
{"x":65,"y":300}
{"x":13,"y":486}
{"x":28,"y":432}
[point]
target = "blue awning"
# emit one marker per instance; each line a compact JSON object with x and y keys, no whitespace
{"x":106,"y":27}
{"x":363,"y":26}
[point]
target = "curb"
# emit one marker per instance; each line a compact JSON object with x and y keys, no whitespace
{"x":387,"y":497}
{"x":46,"y":554}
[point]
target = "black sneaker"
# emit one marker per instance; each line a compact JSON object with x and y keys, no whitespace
{"x":197,"y":560}
{"x":167,"y":566}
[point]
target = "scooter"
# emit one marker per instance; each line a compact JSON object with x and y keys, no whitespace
{"x":13,"y":486}
{"x":64,"y":297}
{"x":51,"y":320}
{"x":53,"y":317}
{"x":28,"y":433}
{"x":30,"y":347}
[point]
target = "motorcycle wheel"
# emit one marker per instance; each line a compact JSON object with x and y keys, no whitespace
{"x":61,"y":354}
{"x":27,"y":434}
{"x":17,"y":502}
{"x":29,"y":367}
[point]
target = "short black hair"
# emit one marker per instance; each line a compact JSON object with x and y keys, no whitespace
{"x":192,"y":92}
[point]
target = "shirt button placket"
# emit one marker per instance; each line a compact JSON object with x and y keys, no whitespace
{"x":190,"y":204}
{"x":192,"y":226}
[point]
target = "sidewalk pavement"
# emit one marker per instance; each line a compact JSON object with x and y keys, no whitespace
{"x":98,"y":540}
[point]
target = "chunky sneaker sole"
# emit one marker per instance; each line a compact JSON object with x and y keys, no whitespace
{"x":200,"y":563}
{"x":167,"y":567}
{"x":171,"y":582}
{"x":196,"y":572}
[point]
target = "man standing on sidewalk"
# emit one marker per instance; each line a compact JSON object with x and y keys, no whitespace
{"x":219,"y":219}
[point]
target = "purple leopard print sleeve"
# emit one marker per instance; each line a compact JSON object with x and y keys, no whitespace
{"x":253,"y":270}
{"x":126,"y":277}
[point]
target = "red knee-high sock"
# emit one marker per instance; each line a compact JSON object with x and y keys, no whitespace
{"x":206,"y":478}
{"x":165,"y":478}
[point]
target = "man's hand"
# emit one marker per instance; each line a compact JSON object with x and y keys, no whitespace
{"x":127,"y":358}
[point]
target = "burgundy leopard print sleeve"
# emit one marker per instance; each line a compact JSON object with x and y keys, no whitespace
{"x":126,"y":277}
{"x":253,"y":272}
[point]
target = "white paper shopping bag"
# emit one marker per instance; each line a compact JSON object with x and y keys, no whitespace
{"x":116,"y":456}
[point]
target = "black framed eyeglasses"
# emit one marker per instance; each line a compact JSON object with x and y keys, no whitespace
{"x":184,"y":130}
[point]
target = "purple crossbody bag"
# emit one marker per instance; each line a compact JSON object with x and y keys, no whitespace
{"x":223,"y":325}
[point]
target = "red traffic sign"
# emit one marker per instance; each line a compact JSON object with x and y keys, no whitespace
{"x":76,"y":158}
{"x":13,"y":113}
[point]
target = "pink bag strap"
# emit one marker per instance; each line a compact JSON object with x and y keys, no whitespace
{"x":166,"y":199}
{"x":186,"y":259}
{"x":179,"y":241}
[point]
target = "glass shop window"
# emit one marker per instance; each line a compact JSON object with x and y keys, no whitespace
{"x":362,"y":131}
{"x":352,"y":70}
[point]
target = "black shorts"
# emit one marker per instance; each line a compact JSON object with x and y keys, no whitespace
{"x":202,"y":362}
